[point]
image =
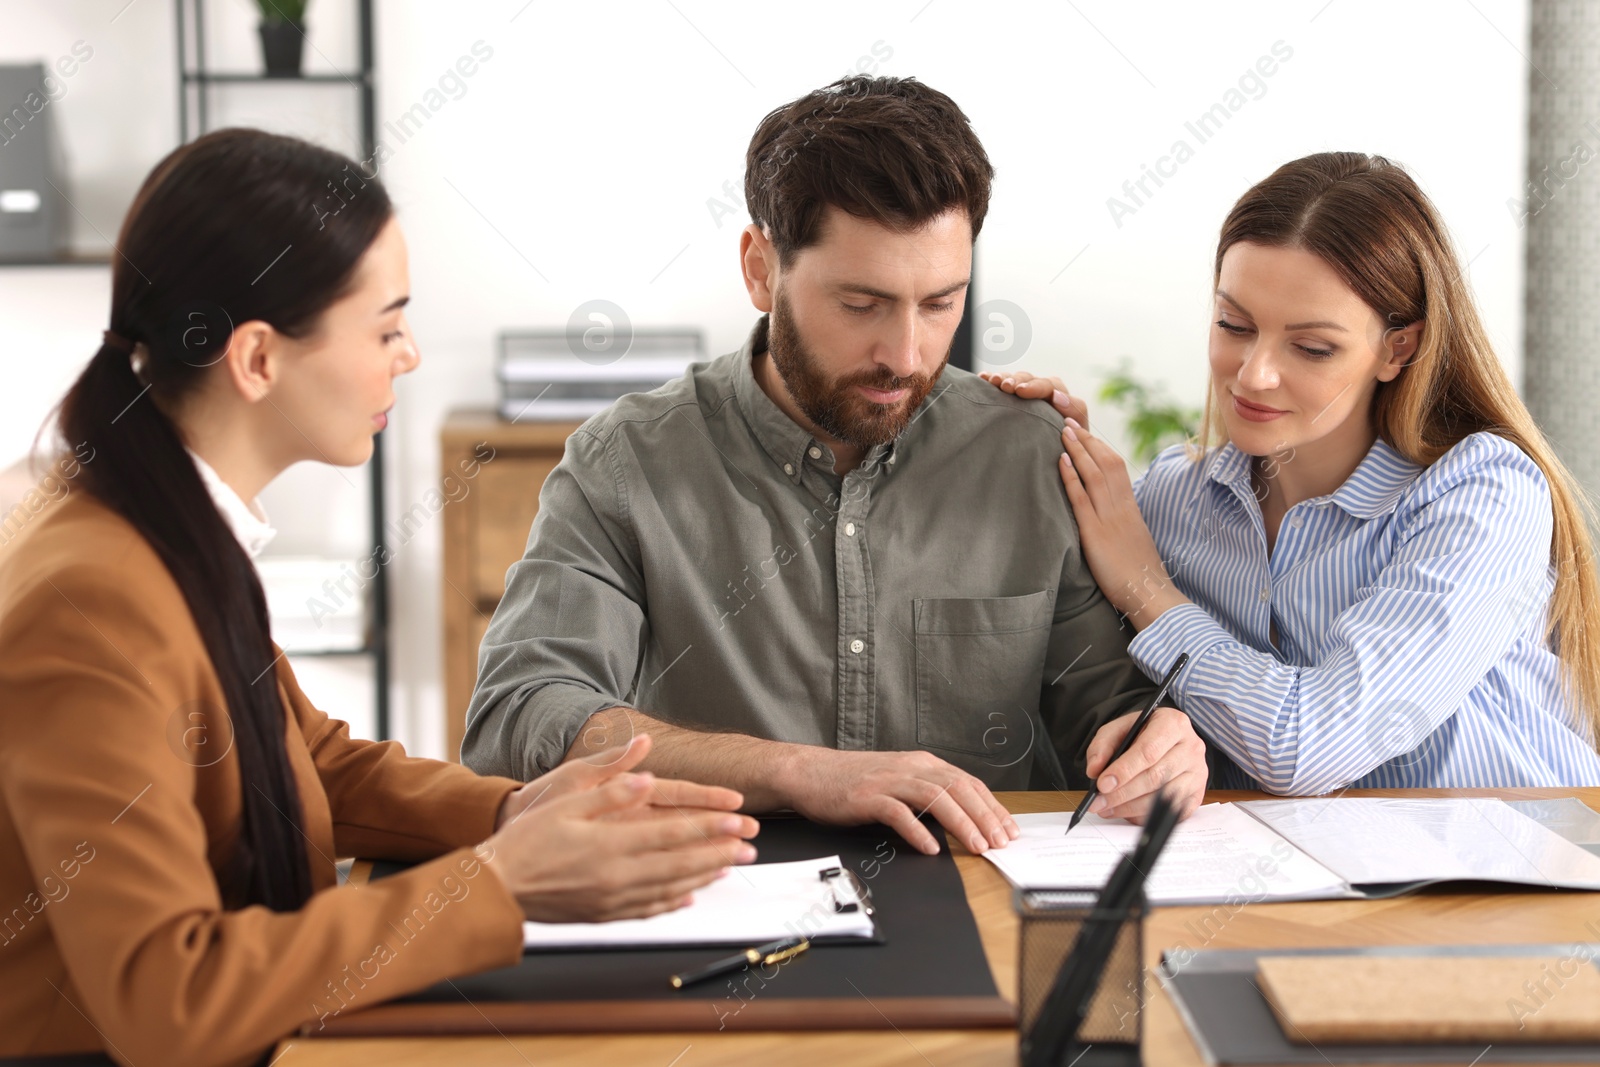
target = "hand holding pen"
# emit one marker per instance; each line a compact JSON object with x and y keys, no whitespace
{"x":1175,"y":762}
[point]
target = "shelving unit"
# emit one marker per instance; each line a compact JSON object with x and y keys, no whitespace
{"x":68,"y":259}
{"x":195,"y":80}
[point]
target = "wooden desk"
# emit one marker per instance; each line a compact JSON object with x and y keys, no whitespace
{"x":1429,"y":918}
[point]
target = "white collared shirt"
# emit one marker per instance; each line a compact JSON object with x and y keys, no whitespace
{"x":248,"y":521}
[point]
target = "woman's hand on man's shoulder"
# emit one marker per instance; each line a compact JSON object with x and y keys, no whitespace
{"x":1037,"y":387}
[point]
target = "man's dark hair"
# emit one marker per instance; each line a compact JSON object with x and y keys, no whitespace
{"x":890,"y":150}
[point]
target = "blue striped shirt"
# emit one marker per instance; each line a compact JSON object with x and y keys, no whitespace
{"x":1409,"y":607}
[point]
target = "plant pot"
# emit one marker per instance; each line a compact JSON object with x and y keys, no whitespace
{"x":282,"y":44}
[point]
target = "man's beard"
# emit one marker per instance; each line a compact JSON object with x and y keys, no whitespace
{"x":836,"y":407}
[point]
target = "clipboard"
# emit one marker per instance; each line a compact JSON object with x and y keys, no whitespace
{"x":819,"y":899}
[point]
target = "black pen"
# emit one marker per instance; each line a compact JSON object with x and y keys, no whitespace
{"x":1132,"y":736}
{"x":766,"y":955}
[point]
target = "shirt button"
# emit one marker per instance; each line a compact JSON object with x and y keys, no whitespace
{"x":788,"y":468}
{"x":857,"y":645}
{"x":849,"y":529}
{"x":1266,"y":594}
{"x":1296,"y":521}
{"x":814,"y":452}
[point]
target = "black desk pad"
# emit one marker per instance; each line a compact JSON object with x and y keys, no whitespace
{"x":929,"y":971}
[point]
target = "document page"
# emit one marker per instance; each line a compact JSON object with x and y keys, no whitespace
{"x":1217,"y":855}
{"x":751,"y":906}
{"x":1372,"y":840}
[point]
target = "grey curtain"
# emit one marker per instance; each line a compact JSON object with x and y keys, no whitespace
{"x":1559,"y":210}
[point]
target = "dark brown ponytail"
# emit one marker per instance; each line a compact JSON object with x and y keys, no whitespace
{"x":194,"y":252}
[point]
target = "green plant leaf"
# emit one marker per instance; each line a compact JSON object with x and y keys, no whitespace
{"x":1153,"y":421}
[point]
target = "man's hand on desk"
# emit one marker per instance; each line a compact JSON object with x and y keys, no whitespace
{"x":847,"y":788}
{"x":895,"y":788}
{"x":598,"y":842}
{"x":578,"y":775}
{"x":1168,"y":754}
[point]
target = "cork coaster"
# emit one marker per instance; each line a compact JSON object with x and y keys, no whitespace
{"x":1432,"y":999}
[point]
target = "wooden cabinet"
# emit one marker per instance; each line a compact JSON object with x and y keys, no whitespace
{"x":502,"y":465}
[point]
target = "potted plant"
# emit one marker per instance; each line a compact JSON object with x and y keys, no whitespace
{"x":283,"y":36}
{"x":1154,"y":421}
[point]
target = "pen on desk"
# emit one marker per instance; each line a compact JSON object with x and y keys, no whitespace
{"x":1132,"y":735}
{"x":765,"y":955}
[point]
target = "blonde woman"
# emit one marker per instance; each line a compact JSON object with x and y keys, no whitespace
{"x":1382,"y":572}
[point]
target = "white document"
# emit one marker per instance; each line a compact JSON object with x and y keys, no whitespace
{"x":1371,"y":840}
{"x":753,"y":905}
{"x":1218,"y":854}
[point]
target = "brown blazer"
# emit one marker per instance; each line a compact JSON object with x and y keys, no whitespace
{"x":119,"y":796}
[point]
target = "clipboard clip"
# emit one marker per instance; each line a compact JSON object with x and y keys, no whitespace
{"x":857,"y":897}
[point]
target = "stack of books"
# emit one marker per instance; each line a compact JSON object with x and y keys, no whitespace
{"x":548,"y":376}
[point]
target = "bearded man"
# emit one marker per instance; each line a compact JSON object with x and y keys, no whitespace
{"x":826,"y":570}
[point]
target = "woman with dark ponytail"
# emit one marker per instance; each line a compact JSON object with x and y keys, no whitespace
{"x":170,"y":802}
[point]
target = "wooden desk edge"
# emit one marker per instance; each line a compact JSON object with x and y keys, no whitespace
{"x":687,"y":1016}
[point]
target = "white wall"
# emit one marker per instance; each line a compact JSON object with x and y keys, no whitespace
{"x":579,"y":161}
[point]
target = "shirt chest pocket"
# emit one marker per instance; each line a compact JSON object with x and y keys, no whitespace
{"x":979,"y":667}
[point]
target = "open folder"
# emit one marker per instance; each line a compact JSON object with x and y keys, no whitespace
{"x":819,"y":899}
{"x":1262,"y":850}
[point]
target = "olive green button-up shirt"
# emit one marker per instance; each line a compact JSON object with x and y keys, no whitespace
{"x":695,"y":557}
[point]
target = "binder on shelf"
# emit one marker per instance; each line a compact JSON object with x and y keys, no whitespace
{"x":33,"y":211}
